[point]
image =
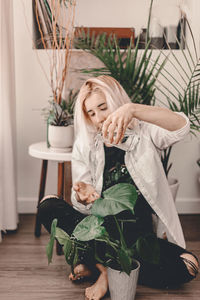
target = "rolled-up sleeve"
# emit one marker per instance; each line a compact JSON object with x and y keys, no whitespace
{"x":80,"y":172}
{"x":163,"y":138}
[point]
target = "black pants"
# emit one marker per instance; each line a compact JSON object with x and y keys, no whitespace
{"x":170,"y":272}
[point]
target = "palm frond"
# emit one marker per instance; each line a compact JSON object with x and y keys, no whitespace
{"x":132,"y":69}
{"x":175,"y":77}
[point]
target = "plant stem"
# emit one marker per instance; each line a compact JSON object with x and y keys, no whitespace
{"x":123,"y":243}
{"x":149,"y":20}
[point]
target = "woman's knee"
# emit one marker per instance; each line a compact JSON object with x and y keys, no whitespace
{"x":48,"y":197}
{"x":191,"y":263}
{"x":48,"y":201}
{"x":48,"y":210}
{"x":47,"y":205}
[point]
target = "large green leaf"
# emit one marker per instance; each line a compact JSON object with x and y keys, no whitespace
{"x":61,"y":236}
{"x":69,"y":247}
{"x":50,"y":245}
{"x":125,"y":260}
{"x":89,"y":228}
{"x":120,"y":197}
{"x":69,"y":250}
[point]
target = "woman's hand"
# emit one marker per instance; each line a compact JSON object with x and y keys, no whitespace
{"x":85,"y":192}
{"x":115,"y":125}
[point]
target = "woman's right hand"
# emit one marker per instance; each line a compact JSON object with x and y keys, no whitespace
{"x":85,"y":193}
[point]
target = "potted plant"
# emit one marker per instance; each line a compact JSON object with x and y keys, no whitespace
{"x":55,"y":27}
{"x":59,"y":118}
{"x":120,"y":259}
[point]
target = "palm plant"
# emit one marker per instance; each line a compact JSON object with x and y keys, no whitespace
{"x":131,"y":68}
{"x":139,"y":73}
{"x":182,"y":92}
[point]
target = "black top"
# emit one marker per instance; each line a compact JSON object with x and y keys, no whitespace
{"x":115,"y":171}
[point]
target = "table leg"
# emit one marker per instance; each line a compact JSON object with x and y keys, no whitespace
{"x":41,"y":194}
{"x":68,"y":182}
{"x":60,"y":192}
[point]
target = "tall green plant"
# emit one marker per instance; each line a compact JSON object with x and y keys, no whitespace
{"x":142,"y":76}
{"x":182,"y":91}
{"x":129,"y":66}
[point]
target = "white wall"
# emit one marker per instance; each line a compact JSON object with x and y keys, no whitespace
{"x":33,"y":92}
{"x":127,"y":13}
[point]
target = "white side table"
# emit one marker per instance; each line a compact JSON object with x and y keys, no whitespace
{"x":41,"y":151}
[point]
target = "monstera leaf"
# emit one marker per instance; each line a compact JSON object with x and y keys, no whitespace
{"x":61,"y":236}
{"x":69,"y":247}
{"x":125,"y":260}
{"x":119,"y":197}
{"x":89,"y":229}
{"x":49,"y":247}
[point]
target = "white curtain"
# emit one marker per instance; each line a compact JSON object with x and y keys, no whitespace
{"x":8,"y":195}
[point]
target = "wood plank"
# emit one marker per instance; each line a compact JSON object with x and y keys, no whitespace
{"x":25,"y":274}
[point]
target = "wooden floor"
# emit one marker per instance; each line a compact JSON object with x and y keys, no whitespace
{"x":25,"y":275}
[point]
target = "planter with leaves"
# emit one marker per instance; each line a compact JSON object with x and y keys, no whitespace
{"x":118,"y":198}
{"x":59,"y":118}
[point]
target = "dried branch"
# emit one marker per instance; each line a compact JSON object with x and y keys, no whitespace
{"x":61,"y":38}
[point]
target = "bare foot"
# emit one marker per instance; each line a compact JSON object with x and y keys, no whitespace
{"x":80,"y":271}
{"x":99,"y":289}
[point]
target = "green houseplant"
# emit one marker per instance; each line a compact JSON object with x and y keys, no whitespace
{"x":119,"y":256}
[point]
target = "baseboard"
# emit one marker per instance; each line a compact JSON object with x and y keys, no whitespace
{"x":27,"y":205}
{"x":188,"y":206}
{"x":183,"y":205}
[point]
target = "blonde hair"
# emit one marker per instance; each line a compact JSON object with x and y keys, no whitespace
{"x":105,"y":85}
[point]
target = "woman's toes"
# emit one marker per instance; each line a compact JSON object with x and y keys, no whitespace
{"x":88,"y":292}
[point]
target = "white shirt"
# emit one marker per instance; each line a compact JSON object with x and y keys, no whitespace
{"x":142,"y":159}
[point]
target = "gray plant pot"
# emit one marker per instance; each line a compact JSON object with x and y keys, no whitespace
{"x":174,"y":186}
{"x":121,"y":285}
{"x":61,"y":138}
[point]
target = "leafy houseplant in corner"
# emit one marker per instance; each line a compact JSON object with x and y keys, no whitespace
{"x":120,"y":260}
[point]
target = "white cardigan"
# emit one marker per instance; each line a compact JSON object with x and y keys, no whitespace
{"x":142,"y":159}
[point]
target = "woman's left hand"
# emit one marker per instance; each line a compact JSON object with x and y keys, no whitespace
{"x":115,"y":125}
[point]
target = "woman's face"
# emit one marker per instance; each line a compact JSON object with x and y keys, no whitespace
{"x":97,"y":109}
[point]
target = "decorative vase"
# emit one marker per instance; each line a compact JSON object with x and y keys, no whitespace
{"x":121,"y":285}
{"x":61,"y":138}
{"x":156,"y":34}
{"x":142,"y":38}
{"x":174,"y":185}
{"x":171,"y":36}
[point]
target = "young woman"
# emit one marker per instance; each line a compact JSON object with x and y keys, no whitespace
{"x":120,"y":141}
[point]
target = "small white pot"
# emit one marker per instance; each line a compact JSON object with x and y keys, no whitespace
{"x":121,"y":285}
{"x":61,"y":138}
{"x":174,"y":185}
